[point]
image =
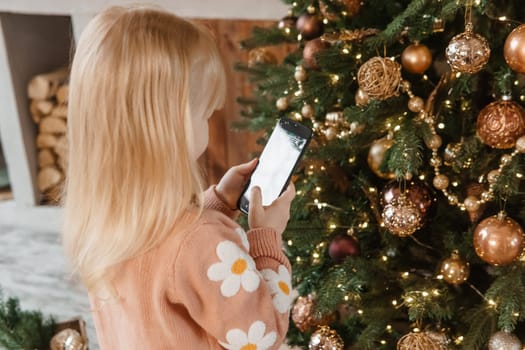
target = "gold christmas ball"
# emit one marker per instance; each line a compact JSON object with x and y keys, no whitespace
{"x":401,"y":217}
{"x":492,"y":176}
{"x":325,"y":338}
{"x":300,"y":73}
{"x":504,"y":341}
{"x":434,"y":142}
{"x":282,"y":103}
{"x":376,"y":154}
{"x":416,"y":104}
{"x":471,"y":203}
{"x":261,"y":55}
{"x":379,"y":78}
{"x":361,"y":98}
{"x":330,"y":133}
{"x":310,"y":26}
{"x":514,"y":49}
{"x":303,"y":314}
{"x":498,"y":240}
{"x":68,"y":339}
{"x":467,"y":52}
{"x":416,"y":191}
{"x":520,"y":144}
{"x":307,"y":111}
{"x":440,"y":182}
{"x":420,"y":341}
{"x":416,"y":58}
{"x":501,"y":123}
{"x":454,"y":269}
{"x":310,"y":50}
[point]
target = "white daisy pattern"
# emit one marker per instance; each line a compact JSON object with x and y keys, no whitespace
{"x":255,"y":339}
{"x":236,"y":269}
{"x":280,"y":287}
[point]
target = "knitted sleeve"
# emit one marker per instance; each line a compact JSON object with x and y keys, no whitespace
{"x":236,"y":286}
{"x":212,"y":201}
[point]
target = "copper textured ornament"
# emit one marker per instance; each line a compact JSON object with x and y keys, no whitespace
{"x":303,"y":314}
{"x":379,"y":78}
{"x":261,"y":55}
{"x":348,"y":8}
{"x":504,"y":341}
{"x":420,"y":341}
{"x":501,"y":123}
{"x":376,"y":154}
{"x":514,"y":49}
{"x":310,"y":50}
{"x":454,"y":269}
{"x":416,"y":58}
{"x":401,"y":217}
{"x":68,"y":339}
{"x":310,"y":26}
{"x":498,"y":240}
{"x":467,"y":52}
{"x":416,"y":191}
{"x":342,"y":246}
{"x":325,"y":338}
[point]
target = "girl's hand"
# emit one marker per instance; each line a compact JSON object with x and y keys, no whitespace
{"x":276,"y":215}
{"x":232,"y":184}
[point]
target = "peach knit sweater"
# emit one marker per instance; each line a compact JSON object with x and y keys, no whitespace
{"x":210,"y":285}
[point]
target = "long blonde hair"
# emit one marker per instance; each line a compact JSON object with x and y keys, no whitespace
{"x":138,"y":78}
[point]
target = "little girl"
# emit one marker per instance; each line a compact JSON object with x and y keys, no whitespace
{"x":165,"y":264}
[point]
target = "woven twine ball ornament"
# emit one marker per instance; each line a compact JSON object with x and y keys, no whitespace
{"x":379,"y":78}
{"x":467,"y":52}
{"x":501,"y":123}
{"x":68,"y":339}
{"x":422,"y":341}
{"x":325,"y":338}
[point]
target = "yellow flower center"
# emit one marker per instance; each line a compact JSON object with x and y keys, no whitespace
{"x":239,"y":266}
{"x":284,"y":287}
{"x":249,"y":346}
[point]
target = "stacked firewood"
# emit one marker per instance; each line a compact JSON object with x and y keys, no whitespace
{"x":48,"y":94}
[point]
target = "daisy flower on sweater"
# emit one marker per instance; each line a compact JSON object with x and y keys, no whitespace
{"x":236,"y":269}
{"x":255,"y":339}
{"x":280,"y":287}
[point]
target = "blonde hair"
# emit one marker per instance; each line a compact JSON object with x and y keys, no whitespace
{"x":138,"y":78}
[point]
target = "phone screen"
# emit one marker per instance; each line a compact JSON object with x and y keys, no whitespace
{"x":277,"y":162}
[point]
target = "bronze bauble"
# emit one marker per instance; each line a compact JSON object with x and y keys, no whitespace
{"x":261,"y":55}
{"x":68,"y":339}
{"x":287,"y":23}
{"x":348,"y":8}
{"x":303,"y":314}
{"x":454,"y":269}
{"x":376,"y":154}
{"x":416,"y":58}
{"x":416,"y":191}
{"x":504,"y":341}
{"x":325,"y":338}
{"x":514,"y":49}
{"x":342,"y":246}
{"x":311,"y":49}
{"x":310,"y":26}
{"x":498,"y":240}
{"x":467,"y":52}
{"x":501,"y":123}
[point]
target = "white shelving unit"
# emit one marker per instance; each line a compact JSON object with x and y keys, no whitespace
{"x":37,"y":36}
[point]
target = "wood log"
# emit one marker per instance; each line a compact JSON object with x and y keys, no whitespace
{"x":46,"y":140}
{"x":48,"y":177}
{"x":62,"y":94}
{"x":45,"y":158}
{"x":53,"y":125}
{"x":59,"y":111}
{"x":45,"y":86}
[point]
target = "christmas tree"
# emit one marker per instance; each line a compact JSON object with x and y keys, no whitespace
{"x":407,"y":228}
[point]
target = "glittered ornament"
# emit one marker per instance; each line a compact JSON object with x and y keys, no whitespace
{"x":454,"y":269}
{"x":376,"y":155}
{"x":421,"y":341}
{"x":348,"y":8}
{"x":498,"y":240}
{"x":401,"y":217}
{"x":310,"y":50}
{"x":416,"y":58}
{"x":287,"y":23}
{"x":379,"y":78}
{"x":261,"y":55}
{"x":342,"y":246}
{"x":303,"y":314}
{"x":467,"y":52}
{"x":416,"y":191}
{"x":310,"y":26}
{"x":68,"y":339}
{"x":514,"y":49}
{"x":325,"y":338}
{"x":501,"y":123}
{"x":504,"y":341}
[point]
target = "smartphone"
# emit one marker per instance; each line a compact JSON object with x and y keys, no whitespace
{"x":277,"y":162}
